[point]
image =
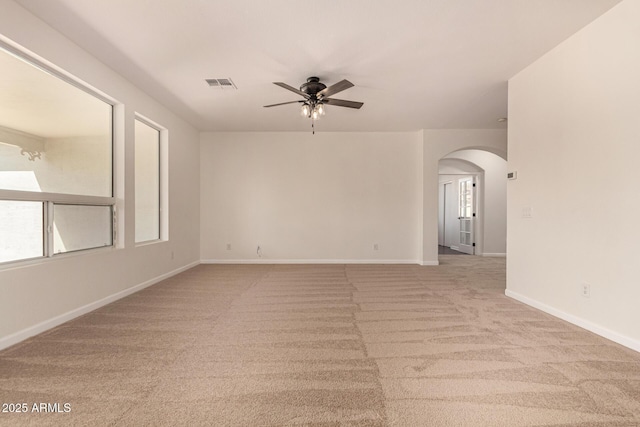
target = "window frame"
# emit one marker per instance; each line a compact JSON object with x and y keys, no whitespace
{"x":50,"y":199}
{"x":163,"y":181}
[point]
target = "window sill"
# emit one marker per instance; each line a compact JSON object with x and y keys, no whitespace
{"x":149,"y":243}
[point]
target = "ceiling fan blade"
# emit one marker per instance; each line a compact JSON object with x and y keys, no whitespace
{"x":338,"y":87}
{"x":283,"y":103}
{"x":342,"y":103}
{"x":291,"y":88}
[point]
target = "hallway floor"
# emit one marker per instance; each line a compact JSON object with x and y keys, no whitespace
{"x":445,"y":250}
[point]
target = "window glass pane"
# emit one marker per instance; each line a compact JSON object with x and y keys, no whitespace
{"x":77,"y":227}
{"x":21,"y":230}
{"x":54,"y":137}
{"x":147,"y":162}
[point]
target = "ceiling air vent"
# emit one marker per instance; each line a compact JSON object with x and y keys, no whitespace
{"x":221,"y":83}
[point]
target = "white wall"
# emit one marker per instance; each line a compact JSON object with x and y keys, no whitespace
{"x":574,"y":140}
{"x":41,"y":295}
{"x":327,"y":197}
{"x":315,"y":198}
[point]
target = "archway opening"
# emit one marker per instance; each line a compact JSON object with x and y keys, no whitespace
{"x":472,"y":203}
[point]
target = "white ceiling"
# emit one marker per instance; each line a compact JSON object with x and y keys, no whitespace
{"x":416,"y":64}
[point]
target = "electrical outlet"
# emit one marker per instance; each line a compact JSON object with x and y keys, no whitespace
{"x":586,"y":290}
{"x":375,"y":246}
{"x":228,"y":246}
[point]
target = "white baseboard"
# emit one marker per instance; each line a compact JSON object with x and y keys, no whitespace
{"x":428,"y":263}
{"x":495,"y":255}
{"x":578,"y":321}
{"x":22,"y":335}
{"x":309,"y":261}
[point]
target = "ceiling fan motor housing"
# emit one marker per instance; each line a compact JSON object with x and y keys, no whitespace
{"x":312,"y":86}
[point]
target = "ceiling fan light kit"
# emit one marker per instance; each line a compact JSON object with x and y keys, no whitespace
{"x":316,"y":95}
{"x":313,"y":112}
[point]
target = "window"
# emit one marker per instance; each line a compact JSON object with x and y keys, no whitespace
{"x":78,"y":227}
{"x":21,"y":222}
{"x":56,"y":167}
{"x":147,"y":167}
{"x":465,"y":211}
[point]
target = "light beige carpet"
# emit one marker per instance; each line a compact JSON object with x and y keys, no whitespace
{"x":324,"y":345}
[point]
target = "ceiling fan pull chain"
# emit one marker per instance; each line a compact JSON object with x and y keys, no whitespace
{"x":313,"y":127}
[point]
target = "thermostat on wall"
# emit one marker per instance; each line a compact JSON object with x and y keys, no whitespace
{"x":512,"y":175}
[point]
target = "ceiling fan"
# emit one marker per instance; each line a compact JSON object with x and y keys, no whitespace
{"x":316,"y":95}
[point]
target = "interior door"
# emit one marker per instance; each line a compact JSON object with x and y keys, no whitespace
{"x":441,"y":213}
{"x":450,"y":226}
{"x":466,"y":215}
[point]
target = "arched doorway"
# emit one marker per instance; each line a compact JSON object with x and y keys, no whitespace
{"x":472,"y":203}
{"x":438,"y":144}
